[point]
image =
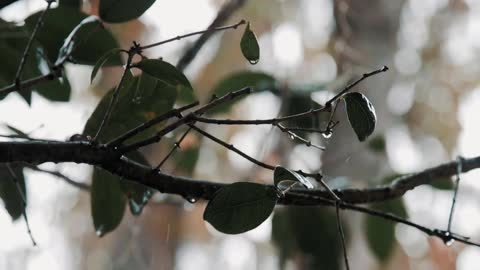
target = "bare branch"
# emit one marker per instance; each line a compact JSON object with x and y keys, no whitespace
{"x":222,"y":16}
{"x":222,"y":28}
{"x":108,"y":158}
{"x":187,"y":119}
{"x":350,"y":86}
{"x":68,"y":180}
{"x":148,"y":124}
{"x":23,"y":60}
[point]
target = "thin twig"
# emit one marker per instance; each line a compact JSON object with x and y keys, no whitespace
{"x":293,"y":135}
{"x":27,"y":84}
{"x":455,"y":193}
{"x":176,"y":146}
{"x":232,"y":148}
{"x":23,"y":60}
{"x":350,"y":86}
{"x":342,"y":236}
{"x":223,"y":15}
{"x":270,"y":121}
{"x":177,"y":143}
{"x":233,"y":26}
{"x":15,"y":181}
{"x":68,"y":180}
{"x":115,"y":95}
{"x":444,"y":235}
{"x":183,"y":120}
{"x":129,"y":134}
{"x":274,"y":121}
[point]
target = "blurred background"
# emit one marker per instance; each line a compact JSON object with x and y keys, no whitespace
{"x":427,"y":107}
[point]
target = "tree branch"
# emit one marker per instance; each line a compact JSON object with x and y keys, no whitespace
{"x":38,"y":152}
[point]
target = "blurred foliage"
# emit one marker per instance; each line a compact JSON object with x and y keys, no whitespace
{"x":309,"y":235}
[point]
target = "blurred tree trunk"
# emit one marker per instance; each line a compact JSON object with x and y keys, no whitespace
{"x":370,"y":31}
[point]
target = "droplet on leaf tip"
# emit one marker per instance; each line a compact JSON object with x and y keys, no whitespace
{"x":327,"y":134}
{"x":190,"y":199}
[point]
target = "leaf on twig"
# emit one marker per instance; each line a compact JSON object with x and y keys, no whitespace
{"x":138,"y":195}
{"x":9,"y":191}
{"x":11,"y":51}
{"x":164,"y":71}
{"x":361,"y":114}
{"x":240,"y":207}
{"x":107,"y":201}
{"x":281,"y":174}
{"x":102,"y":60}
{"x":249,"y":46}
{"x":92,"y":41}
{"x":118,"y":11}
{"x":141,"y":99}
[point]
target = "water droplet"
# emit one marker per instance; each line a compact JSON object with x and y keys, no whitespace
{"x":147,"y":195}
{"x":449,"y":242}
{"x":135,"y":208}
{"x":292,"y":137}
{"x":190,"y":199}
{"x":100,"y":231}
{"x":253,"y":62}
{"x":327,"y":134}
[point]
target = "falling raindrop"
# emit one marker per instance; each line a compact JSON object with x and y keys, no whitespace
{"x":327,"y":134}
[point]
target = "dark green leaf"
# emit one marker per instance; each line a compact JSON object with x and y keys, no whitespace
{"x":56,"y":90}
{"x":138,"y":195}
{"x":107,"y":201}
{"x":164,"y":72}
{"x":249,"y":46}
{"x":117,"y":11}
{"x":71,"y":3}
{"x":309,"y":232}
{"x":11,"y":51}
{"x":281,"y":174}
{"x":73,"y":39}
{"x":380,"y":232}
{"x":361,"y":114}
{"x":10,"y":192}
{"x":102,"y":60}
{"x":92,"y":41}
{"x":240,"y":207}
{"x":282,"y":236}
{"x":141,"y":98}
{"x":258,"y":81}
